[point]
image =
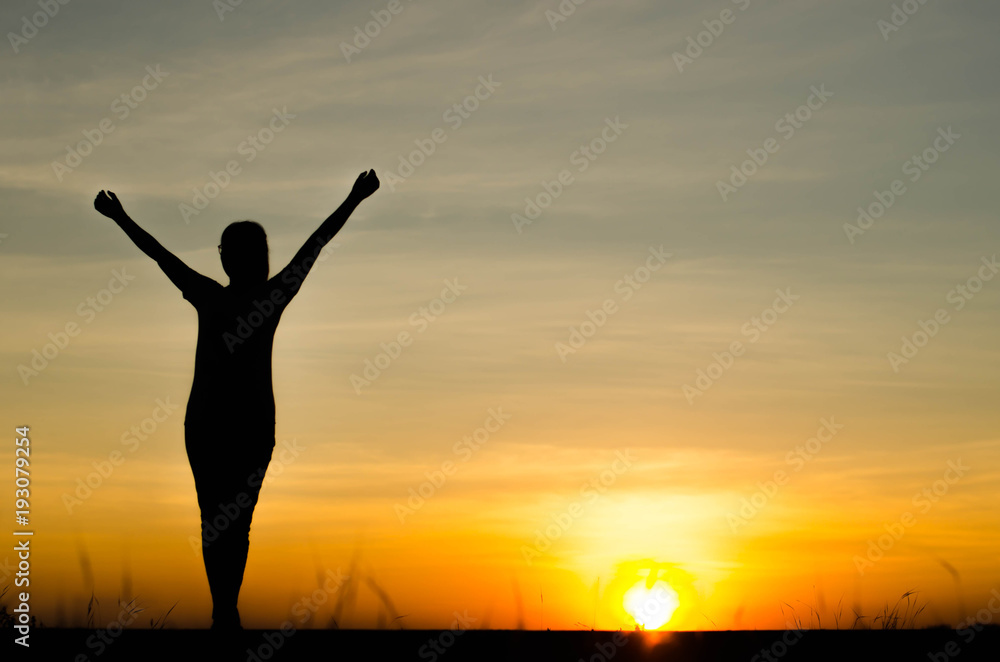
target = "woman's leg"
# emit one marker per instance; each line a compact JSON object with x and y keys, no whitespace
{"x":233,"y":544}
{"x":228,"y":466}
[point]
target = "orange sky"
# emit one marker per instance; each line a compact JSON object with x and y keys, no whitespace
{"x":733,"y":413}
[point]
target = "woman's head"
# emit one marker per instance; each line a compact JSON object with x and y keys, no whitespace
{"x":244,"y":252}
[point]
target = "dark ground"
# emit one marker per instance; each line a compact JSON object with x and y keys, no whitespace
{"x":939,"y":644}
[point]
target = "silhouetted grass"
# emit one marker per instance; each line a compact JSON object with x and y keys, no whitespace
{"x":900,"y":616}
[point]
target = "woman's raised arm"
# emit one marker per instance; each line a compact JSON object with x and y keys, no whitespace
{"x":180,"y":274}
{"x":296,"y":270}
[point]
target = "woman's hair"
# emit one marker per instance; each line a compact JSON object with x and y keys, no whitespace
{"x":244,"y":251}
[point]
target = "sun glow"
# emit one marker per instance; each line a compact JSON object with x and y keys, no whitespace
{"x":651,"y":607}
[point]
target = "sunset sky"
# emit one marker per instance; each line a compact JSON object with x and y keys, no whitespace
{"x":661,"y":338}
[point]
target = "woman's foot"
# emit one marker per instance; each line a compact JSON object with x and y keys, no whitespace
{"x":229,"y":622}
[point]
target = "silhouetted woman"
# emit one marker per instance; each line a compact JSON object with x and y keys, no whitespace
{"x":229,"y":422}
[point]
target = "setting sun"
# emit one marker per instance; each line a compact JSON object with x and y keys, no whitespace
{"x":652,"y":608}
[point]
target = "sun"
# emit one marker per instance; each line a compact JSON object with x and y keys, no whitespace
{"x":652,"y":608}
